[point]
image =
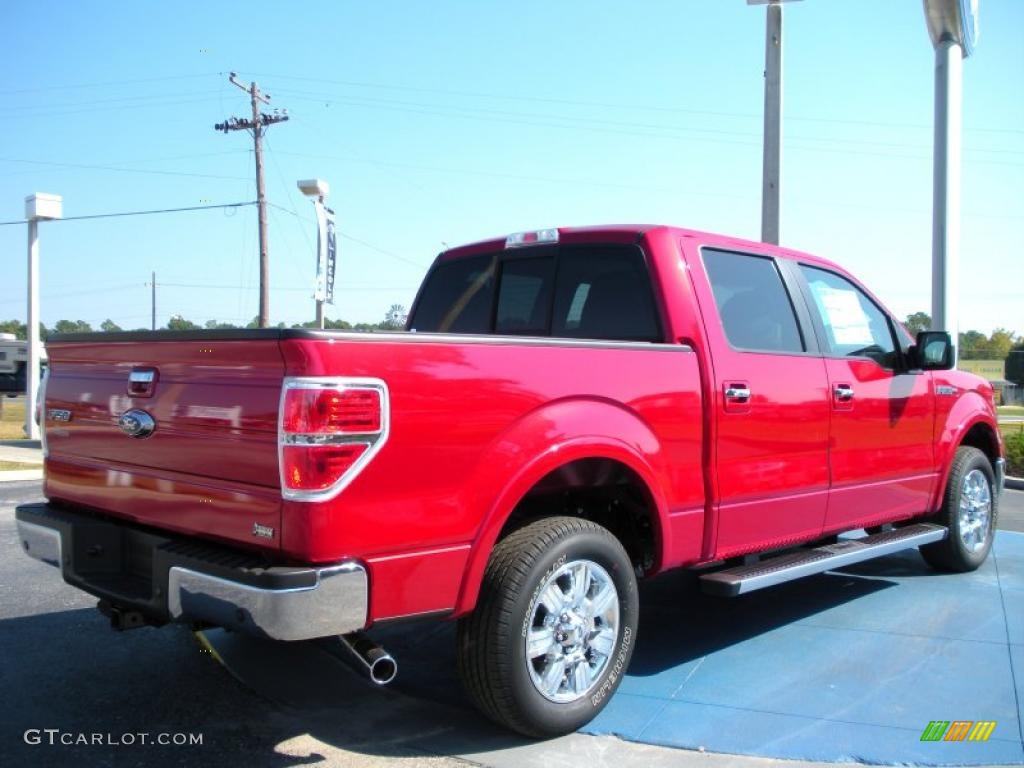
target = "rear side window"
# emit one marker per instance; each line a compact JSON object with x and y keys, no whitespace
{"x":583,"y":292}
{"x":753,"y":304}
{"x":457,"y":297}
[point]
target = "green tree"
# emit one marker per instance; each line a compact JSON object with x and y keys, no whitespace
{"x":72,"y":326}
{"x":213,"y":325}
{"x":974,"y":346}
{"x":109,"y":326}
{"x":917,"y":322}
{"x":179,"y":323}
{"x":19,"y":329}
{"x":1001,"y":342}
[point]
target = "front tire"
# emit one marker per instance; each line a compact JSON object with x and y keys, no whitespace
{"x":554,"y":628}
{"x":969,"y":510}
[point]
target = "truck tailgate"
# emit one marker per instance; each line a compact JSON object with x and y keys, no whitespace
{"x":209,"y":467}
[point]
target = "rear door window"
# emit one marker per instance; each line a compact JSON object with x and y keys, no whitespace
{"x":755,"y":308}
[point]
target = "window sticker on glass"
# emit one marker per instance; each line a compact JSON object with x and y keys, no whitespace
{"x":845,"y":316}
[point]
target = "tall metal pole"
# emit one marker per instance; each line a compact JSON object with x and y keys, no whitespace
{"x":946,"y":186}
{"x":772,"y":162}
{"x":32,"y":374}
{"x":261,"y":206}
{"x":153,"y":300}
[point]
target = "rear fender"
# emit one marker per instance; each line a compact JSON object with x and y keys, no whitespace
{"x":545,"y":440}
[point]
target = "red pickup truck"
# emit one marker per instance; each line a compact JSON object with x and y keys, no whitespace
{"x":569,"y":411}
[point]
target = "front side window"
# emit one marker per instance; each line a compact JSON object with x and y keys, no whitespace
{"x":854,"y":325}
{"x":753,"y":304}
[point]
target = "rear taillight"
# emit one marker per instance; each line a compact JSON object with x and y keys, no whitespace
{"x":329,"y":429}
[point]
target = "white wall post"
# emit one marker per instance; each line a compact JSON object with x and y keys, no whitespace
{"x":32,"y":332}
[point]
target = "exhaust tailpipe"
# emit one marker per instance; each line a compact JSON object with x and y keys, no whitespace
{"x":369,"y":658}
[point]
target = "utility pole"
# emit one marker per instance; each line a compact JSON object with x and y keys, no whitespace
{"x":256,"y":126}
{"x":772,"y":162}
{"x":771,"y":169}
{"x":153,"y":299}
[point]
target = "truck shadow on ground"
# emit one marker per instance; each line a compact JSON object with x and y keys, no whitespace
{"x":65,"y":669}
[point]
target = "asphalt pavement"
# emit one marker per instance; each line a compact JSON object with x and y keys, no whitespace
{"x":64,"y":669}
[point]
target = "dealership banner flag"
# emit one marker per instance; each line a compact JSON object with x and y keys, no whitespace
{"x":326,"y":253}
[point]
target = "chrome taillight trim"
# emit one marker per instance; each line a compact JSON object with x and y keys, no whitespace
{"x":375,"y":440}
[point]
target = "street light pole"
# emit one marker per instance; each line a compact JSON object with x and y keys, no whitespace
{"x":953,"y":28}
{"x":318,"y":189}
{"x":38,"y":207}
{"x":946,"y":186}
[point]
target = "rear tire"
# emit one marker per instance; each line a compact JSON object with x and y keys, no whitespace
{"x":554,"y":628}
{"x":969,"y":510}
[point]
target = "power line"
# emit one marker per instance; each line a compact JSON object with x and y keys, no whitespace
{"x":620,"y":105}
{"x":85,"y":110}
{"x":71,"y":86}
{"x":145,"y":97}
{"x":645,"y":130}
{"x":371,"y":246}
{"x":121,"y":170}
{"x":137,"y":213}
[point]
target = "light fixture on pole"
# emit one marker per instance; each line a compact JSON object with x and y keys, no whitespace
{"x":38,"y":207}
{"x":317,"y":190}
{"x":953,"y":27}
{"x":771,"y":168}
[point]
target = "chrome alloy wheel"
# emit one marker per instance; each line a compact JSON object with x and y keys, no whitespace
{"x":574,"y":625}
{"x":975,"y":510}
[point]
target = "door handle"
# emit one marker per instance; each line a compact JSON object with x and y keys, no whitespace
{"x":844,"y":393}
{"x":737,"y":394}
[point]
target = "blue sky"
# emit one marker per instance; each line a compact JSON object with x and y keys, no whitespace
{"x":451,"y":121}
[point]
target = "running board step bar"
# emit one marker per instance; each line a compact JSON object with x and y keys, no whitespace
{"x":776,"y":570}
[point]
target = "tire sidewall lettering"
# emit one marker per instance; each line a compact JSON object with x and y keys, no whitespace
{"x":531,"y":605}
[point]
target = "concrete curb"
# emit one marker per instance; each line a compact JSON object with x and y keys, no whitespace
{"x":20,"y":474}
{"x":1015,"y":483}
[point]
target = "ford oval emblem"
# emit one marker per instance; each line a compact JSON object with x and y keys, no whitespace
{"x":136,"y":423}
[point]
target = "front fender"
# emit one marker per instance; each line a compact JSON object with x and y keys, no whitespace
{"x":969,"y":410}
{"x":542,"y":441}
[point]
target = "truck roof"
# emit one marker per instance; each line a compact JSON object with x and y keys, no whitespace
{"x":628,"y":233}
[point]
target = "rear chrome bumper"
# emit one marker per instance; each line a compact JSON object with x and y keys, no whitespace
{"x":166,"y":579}
{"x":334,"y":605}
{"x":1000,"y":472}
